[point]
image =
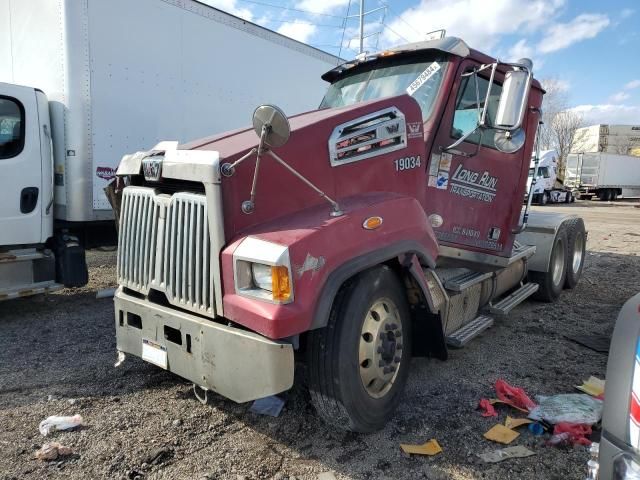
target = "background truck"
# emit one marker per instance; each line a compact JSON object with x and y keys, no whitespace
{"x":388,"y":223}
{"x":547,"y":187}
{"x":87,"y":81}
{"x":604,"y":175}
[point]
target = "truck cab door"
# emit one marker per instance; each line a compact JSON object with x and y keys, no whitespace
{"x":20,"y":166}
{"x":474,"y":195}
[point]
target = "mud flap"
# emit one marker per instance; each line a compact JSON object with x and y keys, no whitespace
{"x":428,"y":335}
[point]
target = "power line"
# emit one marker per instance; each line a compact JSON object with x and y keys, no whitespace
{"x":396,"y":33}
{"x":290,"y":9}
{"x":400,"y":17}
{"x":344,"y":29}
{"x":299,"y":22}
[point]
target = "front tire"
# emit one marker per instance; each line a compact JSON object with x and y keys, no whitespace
{"x":359,"y":363}
{"x":544,"y":199}
{"x":552,"y":282}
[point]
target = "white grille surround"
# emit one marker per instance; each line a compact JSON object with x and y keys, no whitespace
{"x":165,"y":244}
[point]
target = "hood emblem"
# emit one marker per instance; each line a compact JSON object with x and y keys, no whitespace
{"x":152,"y":168}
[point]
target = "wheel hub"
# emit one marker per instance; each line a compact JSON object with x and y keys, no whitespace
{"x":380,"y":349}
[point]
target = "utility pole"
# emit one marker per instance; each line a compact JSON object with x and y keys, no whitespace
{"x":361,"y":26}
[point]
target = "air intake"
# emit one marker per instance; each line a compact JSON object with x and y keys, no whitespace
{"x":368,"y":136}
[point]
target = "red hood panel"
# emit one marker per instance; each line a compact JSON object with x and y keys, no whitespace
{"x":279,"y":192}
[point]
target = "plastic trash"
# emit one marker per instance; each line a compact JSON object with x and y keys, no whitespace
{"x":487,"y":408}
{"x":53,"y":423}
{"x":501,"y":454}
{"x":536,"y":429}
{"x":576,"y":408}
{"x":53,"y":450}
{"x":570,"y":433}
{"x":513,"y":396}
{"x":271,"y":406}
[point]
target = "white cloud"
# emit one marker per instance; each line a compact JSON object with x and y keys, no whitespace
{"x":562,"y":35}
{"x":230,"y":7}
{"x":520,"y":50}
{"x":321,"y":6}
{"x":619,"y":97}
{"x":298,"y":31}
{"x":478,"y":22}
{"x":609,"y":113}
{"x":626,"y":13}
{"x":632,"y":84}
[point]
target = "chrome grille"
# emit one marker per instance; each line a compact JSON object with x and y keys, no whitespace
{"x":137,"y":238}
{"x":164,"y":244}
{"x":187,"y":247}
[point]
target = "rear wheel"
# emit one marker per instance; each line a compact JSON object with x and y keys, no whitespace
{"x":359,"y":363}
{"x":568,"y":197}
{"x":552,"y":281}
{"x":576,"y":242}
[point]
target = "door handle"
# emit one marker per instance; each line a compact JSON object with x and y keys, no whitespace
{"x":28,"y":199}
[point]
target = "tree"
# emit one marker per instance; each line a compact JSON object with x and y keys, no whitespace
{"x":560,"y":122}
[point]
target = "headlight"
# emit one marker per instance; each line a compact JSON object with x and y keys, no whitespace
{"x":262,"y":270}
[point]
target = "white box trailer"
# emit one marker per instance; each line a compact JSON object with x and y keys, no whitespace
{"x":618,"y":139}
{"x":95,"y":79}
{"x":604,"y":175}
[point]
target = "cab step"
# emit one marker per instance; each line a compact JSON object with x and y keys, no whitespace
{"x":504,"y":306}
{"x":27,"y":290}
{"x":466,"y":280}
{"x":468,"y":332}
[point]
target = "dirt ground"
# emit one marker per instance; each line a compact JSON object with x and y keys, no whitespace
{"x":57,"y":355}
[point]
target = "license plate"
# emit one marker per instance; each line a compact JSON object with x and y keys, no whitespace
{"x":154,"y":353}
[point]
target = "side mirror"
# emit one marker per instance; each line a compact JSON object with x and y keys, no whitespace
{"x":513,"y":99}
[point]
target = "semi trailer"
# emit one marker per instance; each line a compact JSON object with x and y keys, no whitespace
{"x":386,"y":224}
{"x":543,"y":180}
{"x":84,"y":82}
{"x":603,"y":175}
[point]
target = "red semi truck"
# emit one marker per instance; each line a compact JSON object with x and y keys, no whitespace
{"x":387,"y":223}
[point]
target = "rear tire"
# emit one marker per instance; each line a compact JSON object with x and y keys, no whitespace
{"x":576,"y":251}
{"x":552,"y":282}
{"x":351,"y":381}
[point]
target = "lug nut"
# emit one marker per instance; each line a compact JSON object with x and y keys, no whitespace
{"x":398,"y":334}
{"x":394,"y":326}
{"x":388,"y":327}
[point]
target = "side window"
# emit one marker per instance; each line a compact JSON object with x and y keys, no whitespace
{"x":466,"y":115}
{"x":545,"y":172}
{"x":11,"y":127}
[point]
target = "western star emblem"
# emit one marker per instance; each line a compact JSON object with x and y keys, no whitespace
{"x":393,"y":128}
{"x":415,"y":129}
{"x":152,"y":167}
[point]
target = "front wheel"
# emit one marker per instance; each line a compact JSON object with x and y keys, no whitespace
{"x":359,"y":363}
{"x":544,"y":199}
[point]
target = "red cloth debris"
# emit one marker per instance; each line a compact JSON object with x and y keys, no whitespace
{"x":514,"y":396}
{"x":487,"y":408}
{"x":574,"y":433}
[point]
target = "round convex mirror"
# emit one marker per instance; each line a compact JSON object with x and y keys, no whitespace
{"x":277,"y":124}
{"x":509,"y":142}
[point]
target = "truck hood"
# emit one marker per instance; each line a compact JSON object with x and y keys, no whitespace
{"x":278,"y":191}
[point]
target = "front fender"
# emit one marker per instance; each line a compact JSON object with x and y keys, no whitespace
{"x":325,"y":251}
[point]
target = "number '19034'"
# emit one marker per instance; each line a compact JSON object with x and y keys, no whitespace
{"x":407,"y":163}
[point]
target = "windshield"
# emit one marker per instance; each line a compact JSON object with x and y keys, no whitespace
{"x":421,"y":80}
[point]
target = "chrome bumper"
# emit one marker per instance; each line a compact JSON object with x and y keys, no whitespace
{"x":235,"y":363}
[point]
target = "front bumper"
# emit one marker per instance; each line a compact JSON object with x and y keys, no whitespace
{"x":235,"y":363}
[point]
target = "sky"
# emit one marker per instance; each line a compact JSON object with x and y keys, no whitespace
{"x":591,"y":49}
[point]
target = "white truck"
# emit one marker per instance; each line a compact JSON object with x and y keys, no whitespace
{"x":84,"y":82}
{"x":547,"y":188}
{"x":604,"y":175}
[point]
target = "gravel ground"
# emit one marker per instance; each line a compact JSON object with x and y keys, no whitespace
{"x":57,"y":354}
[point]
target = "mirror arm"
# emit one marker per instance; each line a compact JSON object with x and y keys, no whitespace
{"x":451,"y":147}
{"x":486,"y":100}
